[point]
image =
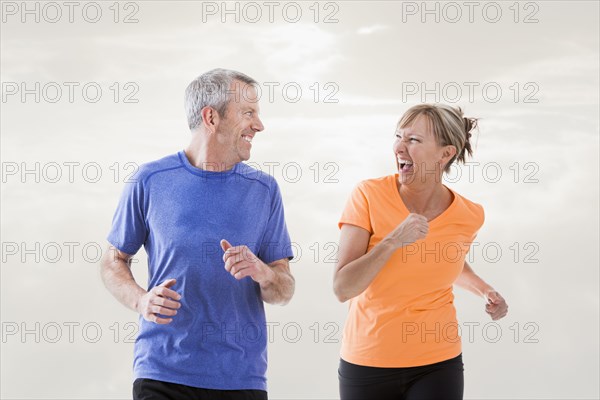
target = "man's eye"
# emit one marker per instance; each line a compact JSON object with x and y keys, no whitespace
{"x":398,"y":136}
{"x":415,"y":139}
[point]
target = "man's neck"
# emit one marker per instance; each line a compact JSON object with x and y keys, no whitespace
{"x":201,"y":155}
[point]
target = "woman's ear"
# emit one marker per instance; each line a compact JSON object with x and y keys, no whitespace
{"x":447,"y":154}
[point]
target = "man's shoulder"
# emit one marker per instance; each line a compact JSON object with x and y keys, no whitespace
{"x":146,"y":170}
{"x":251,"y":174}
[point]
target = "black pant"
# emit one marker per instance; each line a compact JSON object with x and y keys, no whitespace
{"x":150,"y":389}
{"x":443,"y":380}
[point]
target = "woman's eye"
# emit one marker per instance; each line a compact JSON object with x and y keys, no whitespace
{"x":409,"y":139}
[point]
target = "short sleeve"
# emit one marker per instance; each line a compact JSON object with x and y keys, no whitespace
{"x":129,"y":231}
{"x":479,"y":218}
{"x":276,"y":244}
{"x":356,"y":211}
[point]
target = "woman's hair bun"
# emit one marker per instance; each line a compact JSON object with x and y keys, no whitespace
{"x":470,"y":124}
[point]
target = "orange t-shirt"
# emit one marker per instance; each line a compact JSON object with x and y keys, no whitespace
{"x":406,"y":316}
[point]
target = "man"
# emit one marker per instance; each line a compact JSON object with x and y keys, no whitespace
{"x":217,"y":245}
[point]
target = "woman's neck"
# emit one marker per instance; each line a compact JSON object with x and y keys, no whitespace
{"x":427,"y":200}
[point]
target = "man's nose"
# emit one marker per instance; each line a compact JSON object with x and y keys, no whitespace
{"x":257,"y":125}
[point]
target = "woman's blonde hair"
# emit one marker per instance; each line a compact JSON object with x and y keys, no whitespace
{"x":449,"y":126}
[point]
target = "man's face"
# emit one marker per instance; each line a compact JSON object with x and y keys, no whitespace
{"x":239,"y":125}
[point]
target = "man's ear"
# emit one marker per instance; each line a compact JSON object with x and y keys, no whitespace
{"x":210,"y":118}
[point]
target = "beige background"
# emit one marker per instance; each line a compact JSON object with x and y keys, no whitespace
{"x":63,"y":336}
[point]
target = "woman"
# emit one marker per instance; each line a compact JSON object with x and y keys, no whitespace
{"x":403,"y":242}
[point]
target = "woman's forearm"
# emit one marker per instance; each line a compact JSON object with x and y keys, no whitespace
{"x":470,"y":281}
{"x":357,"y":267}
{"x":353,"y":278}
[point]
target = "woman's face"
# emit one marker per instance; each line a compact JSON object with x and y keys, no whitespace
{"x":419,"y":157}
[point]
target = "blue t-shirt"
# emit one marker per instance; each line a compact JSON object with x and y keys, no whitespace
{"x":180,"y":213}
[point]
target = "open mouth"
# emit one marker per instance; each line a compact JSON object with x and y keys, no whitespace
{"x":247,"y":138}
{"x":405,"y":165}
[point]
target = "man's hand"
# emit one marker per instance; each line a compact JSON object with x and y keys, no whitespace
{"x":496,"y":306}
{"x":160,"y":300}
{"x":240,"y":262}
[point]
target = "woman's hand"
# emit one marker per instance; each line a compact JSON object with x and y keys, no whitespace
{"x":413,"y":228}
{"x":496,"y":306}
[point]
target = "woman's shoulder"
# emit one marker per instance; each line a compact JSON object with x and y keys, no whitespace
{"x":469,"y":207}
{"x":376,"y":184}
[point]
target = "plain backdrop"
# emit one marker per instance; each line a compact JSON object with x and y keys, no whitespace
{"x":90,"y":90}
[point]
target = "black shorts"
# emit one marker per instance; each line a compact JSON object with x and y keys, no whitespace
{"x":443,"y":380}
{"x":150,"y":389}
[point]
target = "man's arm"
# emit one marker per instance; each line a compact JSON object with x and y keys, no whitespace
{"x":496,"y":306}
{"x":115,"y":269}
{"x":279,"y":287}
{"x":276,"y":281}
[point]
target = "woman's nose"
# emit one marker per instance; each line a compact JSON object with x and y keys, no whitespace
{"x":400,"y":146}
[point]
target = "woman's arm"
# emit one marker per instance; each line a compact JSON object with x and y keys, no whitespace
{"x":356,"y":268}
{"x":496,"y":306}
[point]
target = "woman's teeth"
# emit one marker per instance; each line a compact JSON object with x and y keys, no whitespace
{"x":404,"y":163}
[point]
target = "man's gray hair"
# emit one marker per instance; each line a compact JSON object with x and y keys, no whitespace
{"x":212,"y":89}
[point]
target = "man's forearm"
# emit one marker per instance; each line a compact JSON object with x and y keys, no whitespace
{"x":118,"y":279}
{"x":279,"y":289}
